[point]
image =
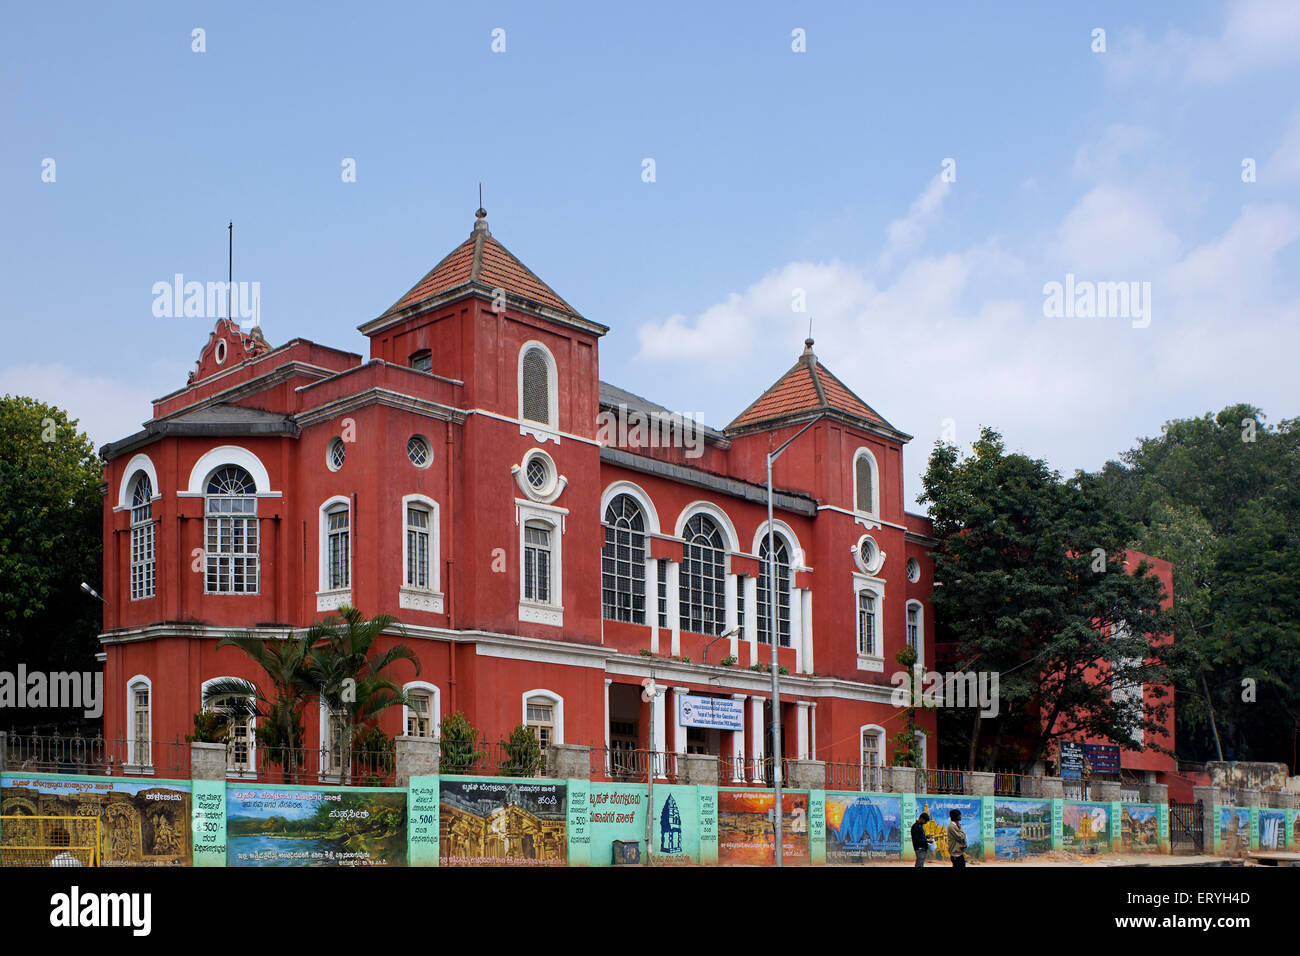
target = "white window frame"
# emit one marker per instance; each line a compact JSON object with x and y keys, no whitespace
{"x":127,"y":487}
{"x":251,"y":772}
{"x":143,"y":544}
{"x":869,"y":662}
{"x":409,"y":597}
{"x":916,"y":605}
{"x":869,"y":518}
{"x":636,"y":568}
{"x":557,"y":704}
{"x":764,"y":634}
{"x":325,"y":771}
{"x":882,"y":751}
{"x":208,"y":517}
{"x":435,"y":707}
{"x":537,"y":612}
{"x":549,"y":431}
{"x":327,"y":598}
{"x":924,"y":740}
{"x":133,"y":762}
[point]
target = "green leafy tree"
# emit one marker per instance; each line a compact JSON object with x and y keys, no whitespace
{"x":907,"y":749}
{"x":51,"y":534}
{"x":523,"y":754}
{"x":1019,"y":595}
{"x":1219,"y":497}
{"x":459,"y":745}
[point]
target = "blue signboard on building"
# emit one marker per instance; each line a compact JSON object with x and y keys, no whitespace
{"x":718,"y":713}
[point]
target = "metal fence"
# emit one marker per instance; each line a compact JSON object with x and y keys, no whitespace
{"x":1008,"y":784}
{"x":96,"y":756}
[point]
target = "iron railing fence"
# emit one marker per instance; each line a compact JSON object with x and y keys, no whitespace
{"x":1010,"y":784}
{"x":846,"y":775}
{"x":308,"y":765}
{"x":626,"y":765}
{"x":947,"y":780}
{"x":496,"y":758}
{"x":96,"y":756}
{"x":1076,"y":789}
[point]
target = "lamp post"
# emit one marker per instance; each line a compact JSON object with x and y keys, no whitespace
{"x":772,"y":633}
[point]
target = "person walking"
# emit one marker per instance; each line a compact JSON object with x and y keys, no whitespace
{"x":956,"y":839}
{"x":920,"y":842}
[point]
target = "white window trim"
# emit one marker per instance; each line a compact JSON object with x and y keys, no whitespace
{"x":535,"y":612}
{"x":252,"y":728}
{"x":411,"y":598}
{"x":550,"y":431}
{"x":327,"y":599}
{"x":435,"y":706}
{"x":555,"y":700}
{"x":925,"y":748}
{"x":796,"y":560}
{"x":873,"y":568}
{"x":730,"y":539}
{"x":228,"y":455}
{"x":545,"y":495}
{"x":920,"y":628}
{"x":132,"y":528}
{"x":326,"y":751}
{"x":792,"y":544}
{"x":137,"y":464}
{"x":133,"y":763}
{"x":869,"y":519}
{"x":868,"y":662}
{"x":883,"y":751}
{"x":638,"y":494}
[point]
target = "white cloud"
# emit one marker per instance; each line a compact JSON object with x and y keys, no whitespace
{"x":908,"y":233}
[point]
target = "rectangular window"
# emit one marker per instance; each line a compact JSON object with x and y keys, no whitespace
{"x":867,"y":645}
{"x":872,"y":749}
{"x":537,"y":564}
{"x":142,"y":552}
{"x":417,"y":548}
{"x":663,"y":592}
{"x":418,"y":717}
{"x":231,"y":552}
{"x":337,"y":532}
{"x":914,"y":628}
{"x":140,"y":723}
{"x":541,"y":720}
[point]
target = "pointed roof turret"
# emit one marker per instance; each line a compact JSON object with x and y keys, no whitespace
{"x":481,"y":263}
{"x":809,"y":387}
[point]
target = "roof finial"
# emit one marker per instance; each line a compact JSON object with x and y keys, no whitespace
{"x":480,"y":215}
{"x":808,"y":342}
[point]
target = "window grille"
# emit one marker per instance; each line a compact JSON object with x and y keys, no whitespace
{"x":701,"y":589}
{"x":142,"y":540}
{"x":864,"y":484}
{"x":537,"y":563}
{"x":337,"y":544}
{"x":623,"y":562}
{"x":417,"y":547}
{"x":782,"y":593}
{"x":867,"y":624}
{"x":232,"y":533}
{"x":418,"y":450}
{"x":536,"y":388}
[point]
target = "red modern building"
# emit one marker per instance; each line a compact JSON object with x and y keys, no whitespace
{"x":546,"y":540}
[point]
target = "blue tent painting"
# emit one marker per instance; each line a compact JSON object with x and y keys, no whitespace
{"x":863,"y":827}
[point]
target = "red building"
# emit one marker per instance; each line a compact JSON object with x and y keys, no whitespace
{"x":545,"y":539}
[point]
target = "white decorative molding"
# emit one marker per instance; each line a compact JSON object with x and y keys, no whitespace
{"x":876,"y":664}
{"x":414,"y":599}
{"x":135,"y":465}
{"x":553,"y":489}
{"x":228,"y":455}
{"x":333,"y":600}
{"x":534,"y":613}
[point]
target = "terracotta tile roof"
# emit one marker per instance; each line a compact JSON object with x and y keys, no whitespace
{"x":808,"y":386}
{"x":482,"y":259}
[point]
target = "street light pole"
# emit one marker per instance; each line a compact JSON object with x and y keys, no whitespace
{"x":772,"y":633}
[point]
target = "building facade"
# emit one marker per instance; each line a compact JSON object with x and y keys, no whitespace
{"x":546,"y":540}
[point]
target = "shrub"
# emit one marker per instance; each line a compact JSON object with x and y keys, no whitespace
{"x":523,"y":754}
{"x":460,"y":753}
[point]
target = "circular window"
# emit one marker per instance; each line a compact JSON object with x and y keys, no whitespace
{"x":418,"y":450}
{"x":219,"y":353}
{"x":335,"y":455}
{"x":538,"y":473}
{"x":867,"y":554}
{"x":913,"y":570}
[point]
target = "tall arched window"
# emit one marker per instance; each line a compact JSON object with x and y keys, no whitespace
{"x":235,"y":700}
{"x":232,"y":533}
{"x":782,"y":593}
{"x":338,"y":550}
{"x":702,"y":588}
{"x":535,"y":402}
{"x":622,"y":562}
{"x":142,"y":539}
{"x":866,"y":483}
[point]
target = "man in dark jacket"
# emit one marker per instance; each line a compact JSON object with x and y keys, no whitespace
{"x":920,"y":842}
{"x":956,"y":839}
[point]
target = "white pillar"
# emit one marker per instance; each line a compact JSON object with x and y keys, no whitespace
{"x":661,"y":726}
{"x":732,"y":613}
{"x":738,"y":745}
{"x":801,"y":728}
{"x":652,"y":601}
{"x":679,"y":732}
{"x":813,"y":732}
{"x":757,"y":735}
{"x":796,"y":624}
{"x":807,"y":633}
{"x":751,"y":617}
{"x":607,"y":683}
{"x":674,"y":610}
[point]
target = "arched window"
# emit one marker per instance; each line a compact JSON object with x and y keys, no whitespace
{"x":702,"y":589}
{"x":544,"y":716}
{"x":142,"y":539}
{"x":866,"y":483}
{"x":139,"y":704}
{"x":417,"y":546}
{"x":869,"y":644}
{"x":238,"y":709}
{"x":535,"y":390}
{"x":232,"y":532}
{"x":623,"y":562}
{"x":782,"y":593}
{"x":915,"y":628}
{"x":337,"y":548}
{"x":422,"y":714}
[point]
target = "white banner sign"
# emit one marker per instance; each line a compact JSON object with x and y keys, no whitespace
{"x":719,"y":713}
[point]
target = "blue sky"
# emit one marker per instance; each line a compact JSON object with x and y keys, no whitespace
{"x":774,"y":171}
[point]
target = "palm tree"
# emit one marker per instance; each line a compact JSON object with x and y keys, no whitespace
{"x":348,"y":674}
{"x":284,"y":661}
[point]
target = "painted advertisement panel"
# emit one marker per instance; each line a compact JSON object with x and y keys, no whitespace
{"x":1272,"y":829}
{"x":747,"y":827}
{"x":310,"y":826}
{"x":1234,"y":830}
{"x":141,"y":822}
{"x":940,"y":809}
{"x":863,"y":826}
{"x":1085,"y":827}
{"x":498,"y":821}
{"x":1021,"y":827}
{"x":1139,"y":827}
{"x":618,"y":813}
